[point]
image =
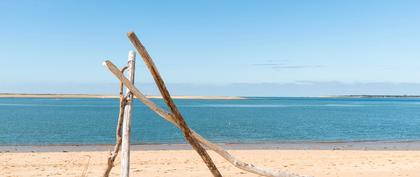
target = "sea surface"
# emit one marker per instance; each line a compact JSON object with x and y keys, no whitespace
{"x":36,"y":121}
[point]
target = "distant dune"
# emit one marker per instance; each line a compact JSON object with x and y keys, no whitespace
{"x":24,"y":95}
{"x":204,"y":97}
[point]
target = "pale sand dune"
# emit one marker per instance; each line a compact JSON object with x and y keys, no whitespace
{"x":24,"y":95}
{"x":182,"y":163}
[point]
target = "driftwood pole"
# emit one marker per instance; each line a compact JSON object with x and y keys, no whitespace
{"x":168,"y":100}
{"x":216,"y":148}
{"x":126,"y":128}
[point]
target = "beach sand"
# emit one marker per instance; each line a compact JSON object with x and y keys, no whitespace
{"x":183,"y":163}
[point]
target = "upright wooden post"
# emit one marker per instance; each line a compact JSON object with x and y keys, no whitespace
{"x":125,"y":146}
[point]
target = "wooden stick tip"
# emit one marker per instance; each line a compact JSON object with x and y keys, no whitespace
{"x":131,"y":33}
{"x":106,"y":63}
{"x":131,"y":55}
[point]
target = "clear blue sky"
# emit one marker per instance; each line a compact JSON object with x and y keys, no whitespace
{"x":271,"y":48}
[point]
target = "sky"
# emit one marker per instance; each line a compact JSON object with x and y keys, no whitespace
{"x":241,"y":48}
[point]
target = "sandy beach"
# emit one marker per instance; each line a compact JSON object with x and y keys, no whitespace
{"x":279,"y":88}
{"x":182,"y":161}
{"x":327,"y":163}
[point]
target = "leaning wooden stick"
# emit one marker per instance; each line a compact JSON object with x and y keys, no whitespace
{"x":113,"y":155}
{"x":179,"y":120}
{"x":171,"y":118}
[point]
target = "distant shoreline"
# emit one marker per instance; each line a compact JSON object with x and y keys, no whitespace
{"x":371,"y":96}
{"x":47,"y":95}
{"x":24,"y":95}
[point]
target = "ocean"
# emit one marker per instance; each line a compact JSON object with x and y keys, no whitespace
{"x":39,"y":121}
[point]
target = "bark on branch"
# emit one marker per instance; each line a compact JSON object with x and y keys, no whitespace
{"x":179,"y":120}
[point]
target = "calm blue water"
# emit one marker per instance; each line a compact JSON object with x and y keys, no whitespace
{"x":92,"y":121}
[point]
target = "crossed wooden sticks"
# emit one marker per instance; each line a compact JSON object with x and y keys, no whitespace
{"x":176,"y":118}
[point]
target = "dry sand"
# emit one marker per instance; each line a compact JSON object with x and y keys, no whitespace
{"x":183,"y":163}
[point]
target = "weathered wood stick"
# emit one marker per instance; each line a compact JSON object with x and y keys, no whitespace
{"x":126,"y":131}
{"x":168,"y":100}
{"x":113,"y":155}
{"x":171,"y":118}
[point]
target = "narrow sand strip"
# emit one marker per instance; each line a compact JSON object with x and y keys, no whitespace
{"x":24,"y":95}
